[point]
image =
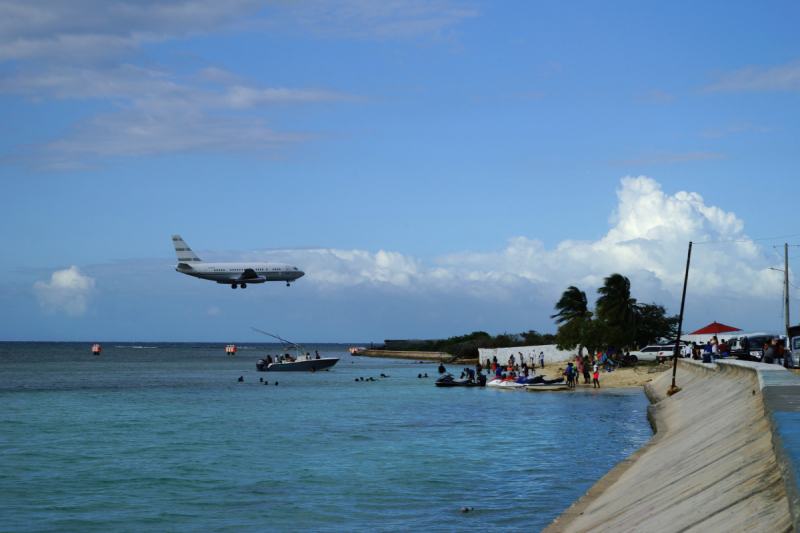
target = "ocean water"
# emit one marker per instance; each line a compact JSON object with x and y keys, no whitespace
{"x":155,"y":437}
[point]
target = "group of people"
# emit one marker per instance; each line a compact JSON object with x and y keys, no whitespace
{"x":709,"y":351}
{"x":583,"y":365}
{"x":514,"y":364}
{"x":774,"y":351}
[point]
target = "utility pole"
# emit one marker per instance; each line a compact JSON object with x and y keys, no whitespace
{"x":786,"y":285}
{"x":786,"y":282}
{"x":674,"y":388}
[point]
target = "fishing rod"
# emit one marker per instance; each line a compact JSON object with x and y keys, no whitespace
{"x":293,"y":344}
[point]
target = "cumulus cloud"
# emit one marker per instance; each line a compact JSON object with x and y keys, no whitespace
{"x":68,"y":291}
{"x":648,"y":238}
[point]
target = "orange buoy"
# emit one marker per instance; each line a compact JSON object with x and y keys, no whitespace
{"x":96,"y":349}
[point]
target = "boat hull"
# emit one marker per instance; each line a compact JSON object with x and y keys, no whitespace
{"x":508,"y":385}
{"x":299,"y":366}
{"x":543,"y":388}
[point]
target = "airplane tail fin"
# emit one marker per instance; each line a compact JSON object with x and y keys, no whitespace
{"x":185,"y":254}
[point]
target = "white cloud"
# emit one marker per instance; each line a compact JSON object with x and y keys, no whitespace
{"x":647,"y":241}
{"x":756,"y":79}
{"x":68,"y":291}
{"x":93,"y":50}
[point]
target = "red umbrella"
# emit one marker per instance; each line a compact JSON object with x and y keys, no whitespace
{"x":713,"y":329}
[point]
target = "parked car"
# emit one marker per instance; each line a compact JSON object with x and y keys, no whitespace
{"x":751,"y":347}
{"x":657,"y":352}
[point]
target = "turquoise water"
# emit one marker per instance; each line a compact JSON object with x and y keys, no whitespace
{"x":166,"y":439}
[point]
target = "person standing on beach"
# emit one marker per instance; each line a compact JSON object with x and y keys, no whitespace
{"x":570,"y":375}
{"x":586,"y":370}
{"x":541,"y":359}
{"x":596,"y":378}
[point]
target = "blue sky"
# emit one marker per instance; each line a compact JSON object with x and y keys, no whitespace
{"x":435,"y":167}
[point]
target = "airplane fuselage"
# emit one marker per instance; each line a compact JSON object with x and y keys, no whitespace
{"x":231,"y":273}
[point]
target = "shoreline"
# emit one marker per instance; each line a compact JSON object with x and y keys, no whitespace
{"x":620,"y":378}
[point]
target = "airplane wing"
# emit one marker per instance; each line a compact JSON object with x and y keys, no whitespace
{"x":250,"y":275}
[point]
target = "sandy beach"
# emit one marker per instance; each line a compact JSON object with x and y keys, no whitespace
{"x":624,"y":377}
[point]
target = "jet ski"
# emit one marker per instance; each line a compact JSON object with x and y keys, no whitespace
{"x":449,"y":381}
{"x":505,"y":383}
{"x":540,"y":379}
{"x":530,"y":380}
{"x":546,"y":385}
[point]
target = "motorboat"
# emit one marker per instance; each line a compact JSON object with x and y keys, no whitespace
{"x":505,"y":383}
{"x":301,"y":365}
{"x":448,"y":380}
{"x":301,"y":362}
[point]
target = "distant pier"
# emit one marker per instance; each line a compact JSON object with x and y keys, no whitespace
{"x":416,"y":356}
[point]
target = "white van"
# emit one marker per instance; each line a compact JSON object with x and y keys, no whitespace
{"x":656,"y":352}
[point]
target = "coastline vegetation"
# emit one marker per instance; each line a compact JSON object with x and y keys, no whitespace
{"x":618,"y":321}
{"x":466,"y":346}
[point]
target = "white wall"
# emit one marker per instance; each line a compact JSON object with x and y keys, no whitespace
{"x":551,"y":353}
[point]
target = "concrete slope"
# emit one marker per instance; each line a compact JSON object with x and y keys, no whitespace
{"x":710,"y":467}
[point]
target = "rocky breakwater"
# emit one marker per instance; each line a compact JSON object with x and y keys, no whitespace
{"x":724,"y":458}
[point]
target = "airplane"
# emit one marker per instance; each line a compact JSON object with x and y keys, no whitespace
{"x":231,"y":273}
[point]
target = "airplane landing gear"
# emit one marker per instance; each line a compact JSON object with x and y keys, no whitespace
{"x":287,"y":285}
{"x":244,"y":285}
{"x":233,"y":286}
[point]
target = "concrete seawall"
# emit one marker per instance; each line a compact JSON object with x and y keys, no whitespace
{"x":724,"y":458}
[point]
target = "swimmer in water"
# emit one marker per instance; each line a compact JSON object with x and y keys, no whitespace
{"x":466,"y":509}
{"x":241,"y":378}
{"x":266,"y":383}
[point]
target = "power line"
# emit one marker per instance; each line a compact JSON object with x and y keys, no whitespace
{"x":750,"y":240}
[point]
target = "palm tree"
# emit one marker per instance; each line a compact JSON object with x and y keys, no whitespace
{"x":615,"y":303}
{"x":572,"y":305}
